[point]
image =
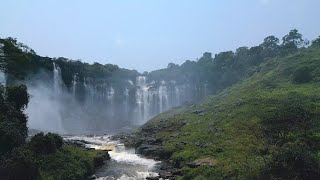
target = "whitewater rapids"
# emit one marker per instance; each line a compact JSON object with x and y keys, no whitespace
{"x":125,"y":164}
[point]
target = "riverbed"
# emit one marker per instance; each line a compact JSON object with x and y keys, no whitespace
{"x":125,"y":164}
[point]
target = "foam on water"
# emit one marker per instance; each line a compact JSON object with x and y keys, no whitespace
{"x":125,"y":164}
{"x":134,"y":159}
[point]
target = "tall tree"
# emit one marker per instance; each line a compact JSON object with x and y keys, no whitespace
{"x":316,"y":42}
{"x":294,"y":38}
{"x":291,"y":42}
{"x":270,"y":42}
{"x":270,"y":46}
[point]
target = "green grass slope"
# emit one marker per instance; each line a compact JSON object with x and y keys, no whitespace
{"x":70,"y":162}
{"x":226,"y":134}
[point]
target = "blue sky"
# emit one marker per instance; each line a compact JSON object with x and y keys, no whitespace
{"x":148,"y":34}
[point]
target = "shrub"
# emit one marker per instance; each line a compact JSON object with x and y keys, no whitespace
{"x":302,"y":75}
{"x":18,"y":96}
{"x":290,"y":130}
{"x":19,"y":164}
{"x":46,"y":144}
{"x":13,"y":121}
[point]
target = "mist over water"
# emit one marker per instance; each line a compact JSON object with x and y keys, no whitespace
{"x":99,"y":105}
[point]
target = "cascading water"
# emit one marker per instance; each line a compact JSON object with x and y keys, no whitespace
{"x":125,"y":164}
{"x":163,"y":97}
{"x":126,"y":102}
{"x":74,"y":84}
{"x":205,"y":89}
{"x":44,"y":108}
{"x":142,"y":97}
{"x":57,"y":81}
{"x":100,"y":106}
{"x":110,"y":98}
{"x":2,"y":78}
{"x":177,"y":95}
{"x":103,"y":105}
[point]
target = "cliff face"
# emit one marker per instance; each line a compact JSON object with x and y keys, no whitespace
{"x":74,"y":97}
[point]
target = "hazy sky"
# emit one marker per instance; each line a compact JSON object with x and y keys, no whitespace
{"x":148,"y":34}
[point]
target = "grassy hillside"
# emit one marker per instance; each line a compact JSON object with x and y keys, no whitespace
{"x":251,"y":129}
{"x":70,"y":163}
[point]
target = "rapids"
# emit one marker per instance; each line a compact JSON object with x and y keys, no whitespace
{"x":125,"y":164}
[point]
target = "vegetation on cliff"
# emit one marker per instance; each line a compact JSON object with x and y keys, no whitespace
{"x":45,"y":156}
{"x":265,"y":126}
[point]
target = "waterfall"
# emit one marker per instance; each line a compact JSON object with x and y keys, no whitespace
{"x":110,"y":98}
{"x":98,"y":104}
{"x":177,"y":95}
{"x":163,"y":97}
{"x":142,"y":99}
{"x":126,"y":102}
{"x":74,"y":84}
{"x":130,"y":82}
{"x":89,"y":89}
{"x":110,"y":95}
{"x":57,"y":84}
{"x":2,"y":78}
{"x":57,"y":80}
{"x":205,"y":89}
{"x":46,"y":103}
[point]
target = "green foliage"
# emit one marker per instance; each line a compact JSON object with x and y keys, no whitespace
{"x":19,"y":164}
{"x":293,"y":161}
{"x":294,"y":38}
{"x":228,"y":68}
{"x":290,"y":128}
{"x":70,"y":68}
{"x":18,"y":61}
{"x":270,"y":46}
{"x":45,"y":144}
{"x":44,"y":157}
{"x":288,"y":117}
{"x":69,"y":163}
{"x":17,"y":95}
{"x":316,"y":42}
{"x":266,"y":126}
{"x":256,"y":128}
{"x":302,"y":75}
{"x":14,"y":57}
{"x":13,"y":121}
{"x":291,"y":42}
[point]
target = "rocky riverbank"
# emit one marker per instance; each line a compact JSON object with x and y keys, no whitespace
{"x":165,"y":134}
{"x":148,"y":143}
{"x":100,"y":157}
{"x":121,"y":162}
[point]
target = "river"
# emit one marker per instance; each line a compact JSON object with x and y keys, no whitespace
{"x":125,"y":164}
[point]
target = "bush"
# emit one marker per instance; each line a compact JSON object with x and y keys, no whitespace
{"x":294,"y":161}
{"x":18,"y":96}
{"x":70,"y":163}
{"x":302,"y":75}
{"x":290,"y":130}
{"x":46,"y":144}
{"x":13,"y":121}
{"x":18,"y":165}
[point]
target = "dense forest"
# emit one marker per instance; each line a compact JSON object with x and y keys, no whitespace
{"x":273,"y":83}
